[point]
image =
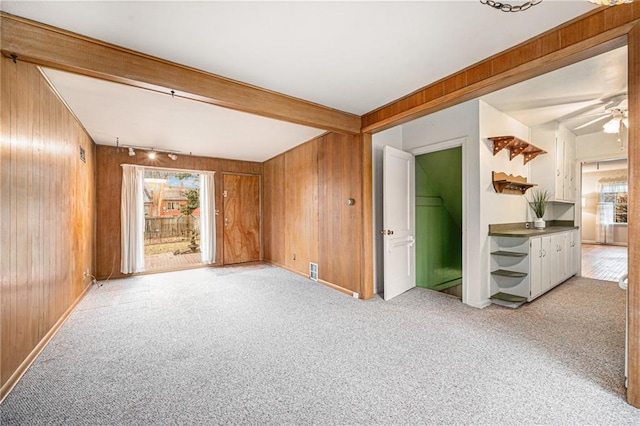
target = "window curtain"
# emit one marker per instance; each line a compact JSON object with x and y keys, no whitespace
{"x":207,"y":217}
{"x":604,"y":216}
{"x":132,"y":219}
{"x":604,"y":222}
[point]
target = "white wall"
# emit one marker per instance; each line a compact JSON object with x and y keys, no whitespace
{"x":393,"y":138}
{"x":494,"y":207}
{"x":475,"y":121}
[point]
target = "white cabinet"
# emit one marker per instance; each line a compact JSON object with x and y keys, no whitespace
{"x":531,"y":266}
{"x":540,"y":266}
{"x":556,"y":170}
{"x":573,"y":252}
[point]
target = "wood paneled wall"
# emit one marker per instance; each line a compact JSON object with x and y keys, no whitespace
{"x":109,"y":187}
{"x":306,"y":216}
{"x":47,"y":197}
{"x":272,"y":207}
{"x":301,"y":206}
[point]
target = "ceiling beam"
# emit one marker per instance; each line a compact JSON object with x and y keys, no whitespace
{"x":52,"y":47}
{"x":590,"y":34}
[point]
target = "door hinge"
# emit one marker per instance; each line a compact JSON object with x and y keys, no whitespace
{"x":224,"y":193}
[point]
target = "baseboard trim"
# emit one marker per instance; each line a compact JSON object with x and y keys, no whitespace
{"x":323,"y":282}
{"x":479,"y":304}
{"x":340,"y":289}
{"x":24,"y":366}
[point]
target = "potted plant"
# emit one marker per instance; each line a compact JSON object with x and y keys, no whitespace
{"x":538,"y":204}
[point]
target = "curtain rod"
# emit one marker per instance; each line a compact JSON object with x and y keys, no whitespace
{"x":169,"y":169}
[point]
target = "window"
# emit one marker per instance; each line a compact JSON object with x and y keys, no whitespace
{"x":616,"y":195}
{"x":173,"y":205}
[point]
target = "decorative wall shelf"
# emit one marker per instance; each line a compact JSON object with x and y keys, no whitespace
{"x":510,"y":184}
{"x":516,"y":147}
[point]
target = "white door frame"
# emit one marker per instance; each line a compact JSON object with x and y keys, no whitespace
{"x":441,"y":146}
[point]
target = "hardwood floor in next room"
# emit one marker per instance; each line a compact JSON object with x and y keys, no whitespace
{"x":604,"y":262}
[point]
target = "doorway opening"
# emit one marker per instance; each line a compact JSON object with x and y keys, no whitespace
{"x":604,"y":219}
{"x":439,"y":221}
{"x":171,"y":219}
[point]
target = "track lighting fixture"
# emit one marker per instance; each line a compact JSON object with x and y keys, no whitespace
{"x":151,"y":152}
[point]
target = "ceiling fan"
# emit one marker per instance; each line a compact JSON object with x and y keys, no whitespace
{"x":615,"y":113}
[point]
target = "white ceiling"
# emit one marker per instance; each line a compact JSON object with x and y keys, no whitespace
{"x":573,"y":95}
{"x":352,"y":56}
{"x":149,"y":119}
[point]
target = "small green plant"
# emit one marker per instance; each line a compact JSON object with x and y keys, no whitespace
{"x":538,"y":203}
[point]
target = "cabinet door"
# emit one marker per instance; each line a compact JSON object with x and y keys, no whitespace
{"x":535,"y":267}
{"x":569,"y":255}
{"x":548,"y":264}
{"x":574,"y":249}
{"x":559,"y":171}
{"x":570,"y":169}
{"x":561,"y":262}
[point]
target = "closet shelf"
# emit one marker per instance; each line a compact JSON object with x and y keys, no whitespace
{"x":510,"y":274}
{"x":509,"y":253}
{"x":516,"y":147}
{"x":510,"y":184}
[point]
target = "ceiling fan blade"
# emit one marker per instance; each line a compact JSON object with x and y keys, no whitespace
{"x":607,"y":117}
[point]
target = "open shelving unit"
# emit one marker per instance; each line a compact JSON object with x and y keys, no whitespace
{"x":516,"y":147}
{"x":509,"y":271}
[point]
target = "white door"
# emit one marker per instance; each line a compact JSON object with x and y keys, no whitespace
{"x":398,"y":191}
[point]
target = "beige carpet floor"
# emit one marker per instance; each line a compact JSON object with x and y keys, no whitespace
{"x":260,"y":345}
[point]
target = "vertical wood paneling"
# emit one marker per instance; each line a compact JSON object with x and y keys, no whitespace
{"x":241,"y":218}
{"x":633,"y":391}
{"x":301,"y":207}
{"x":306,"y":216}
{"x":273,"y":210}
{"x":109,"y":184}
{"x":339,"y":178}
{"x":48,"y":215}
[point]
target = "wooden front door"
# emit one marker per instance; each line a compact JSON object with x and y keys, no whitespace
{"x":241,"y":195}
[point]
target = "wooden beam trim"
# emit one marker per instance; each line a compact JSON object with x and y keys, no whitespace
{"x":59,"y":49}
{"x":366,"y":286}
{"x":552,"y":50}
{"x":633,"y":307}
{"x":558,"y":59}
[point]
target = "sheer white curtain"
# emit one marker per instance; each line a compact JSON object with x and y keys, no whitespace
{"x":207,"y":217}
{"x":605,"y":216}
{"x":132,"y":219}
{"x":604,"y":221}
